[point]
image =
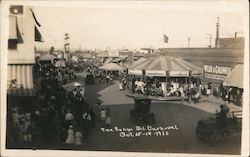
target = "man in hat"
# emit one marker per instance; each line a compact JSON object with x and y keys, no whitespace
{"x":222,"y":116}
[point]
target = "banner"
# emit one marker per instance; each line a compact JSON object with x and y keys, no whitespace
{"x":179,"y":73}
{"x":217,"y":69}
{"x":156,"y":73}
{"x":196,"y":73}
{"x":135,"y":72}
{"x":216,"y":77}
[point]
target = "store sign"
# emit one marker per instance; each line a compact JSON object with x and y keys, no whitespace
{"x":135,"y":72}
{"x":197,"y":73}
{"x":216,"y":77}
{"x":179,"y":73}
{"x":217,"y":69}
{"x":155,"y":73}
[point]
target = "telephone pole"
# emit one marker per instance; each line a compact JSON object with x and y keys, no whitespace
{"x":210,"y":40}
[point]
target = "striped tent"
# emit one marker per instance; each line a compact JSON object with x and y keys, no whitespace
{"x":235,"y":78}
{"x":132,"y":68}
{"x":166,"y":66}
{"x":20,"y":80}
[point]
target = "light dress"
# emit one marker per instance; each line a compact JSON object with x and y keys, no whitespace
{"x":70,"y":139}
{"x":78,"y":136}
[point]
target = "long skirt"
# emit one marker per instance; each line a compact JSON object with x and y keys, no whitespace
{"x":108,"y":121}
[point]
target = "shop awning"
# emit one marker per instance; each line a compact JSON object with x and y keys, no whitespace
{"x":235,"y":78}
{"x":13,"y":27}
{"x":14,"y":33}
{"x":20,"y":80}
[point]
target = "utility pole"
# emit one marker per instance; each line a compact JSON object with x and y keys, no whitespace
{"x":189,"y":39}
{"x":210,"y":40}
{"x":217,"y":32}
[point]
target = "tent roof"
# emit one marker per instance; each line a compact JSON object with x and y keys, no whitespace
{"x":111,"y":67}
{"x":235,"y":78}
{"x":164,"y":63}
{"x":46,"y":57}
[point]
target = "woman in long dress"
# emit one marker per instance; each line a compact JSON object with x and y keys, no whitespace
{"x":71,"y":138}
{"x":108,"y":117}
{"x":103,"y":114}
{"x":79,"y":137}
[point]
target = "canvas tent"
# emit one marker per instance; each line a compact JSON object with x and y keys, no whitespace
{"x":235,"y":78}
{"x":165,"y":66}
{"x":111,"y":67}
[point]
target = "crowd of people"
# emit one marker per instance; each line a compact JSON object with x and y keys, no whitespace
{"x":58,"y":117}
{"x":191,"y":90}
{"x":229,"y":94}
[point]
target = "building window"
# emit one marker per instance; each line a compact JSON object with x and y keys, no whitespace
{"x":16,"y":9}
{"x":12,"y":44}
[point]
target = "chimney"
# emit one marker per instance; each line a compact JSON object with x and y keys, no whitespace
{"x":217,"y":33}
{"x":235,"y":34}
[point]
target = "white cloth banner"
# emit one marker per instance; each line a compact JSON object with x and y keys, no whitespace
{"x":155,"y":73}
{"x":135,"y":72}
{"x":178,"y":73}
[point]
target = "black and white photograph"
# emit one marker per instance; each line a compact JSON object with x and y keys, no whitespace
{"x":144,"y":78}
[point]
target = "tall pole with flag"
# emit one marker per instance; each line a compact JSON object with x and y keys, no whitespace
{"x":67,"y":45}
{"x":165,"y":38}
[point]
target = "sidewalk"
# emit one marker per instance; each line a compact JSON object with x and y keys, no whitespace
{"x":219,"y":101}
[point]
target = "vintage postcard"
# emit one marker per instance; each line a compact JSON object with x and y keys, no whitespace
{"x":125,"y":78}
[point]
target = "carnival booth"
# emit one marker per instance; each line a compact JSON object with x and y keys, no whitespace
{"x":163,"y":76}
{"x":234,"y":85}
{"x":112,"y":68}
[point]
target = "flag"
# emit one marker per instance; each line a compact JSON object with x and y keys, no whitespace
{"x":165,"y":38}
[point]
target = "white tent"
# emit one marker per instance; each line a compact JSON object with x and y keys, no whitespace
{"x":235,"y":78}
{"x":111,"y":67}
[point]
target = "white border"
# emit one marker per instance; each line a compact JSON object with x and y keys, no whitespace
{"x":189,"y":6}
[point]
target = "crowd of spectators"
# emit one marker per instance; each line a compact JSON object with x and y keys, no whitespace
{"x":190,"y":90}
{"x":229,"y":94}
{"x":58,"y":117}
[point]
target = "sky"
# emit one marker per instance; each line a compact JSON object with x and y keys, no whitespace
{"x":133,"y":26}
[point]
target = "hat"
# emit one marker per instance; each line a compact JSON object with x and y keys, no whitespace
{"x":71,"y":126}
{"x":222,"y":106}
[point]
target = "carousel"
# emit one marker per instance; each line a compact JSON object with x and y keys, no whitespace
{"x":163,"y":77}
{"x":160,"y":78}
